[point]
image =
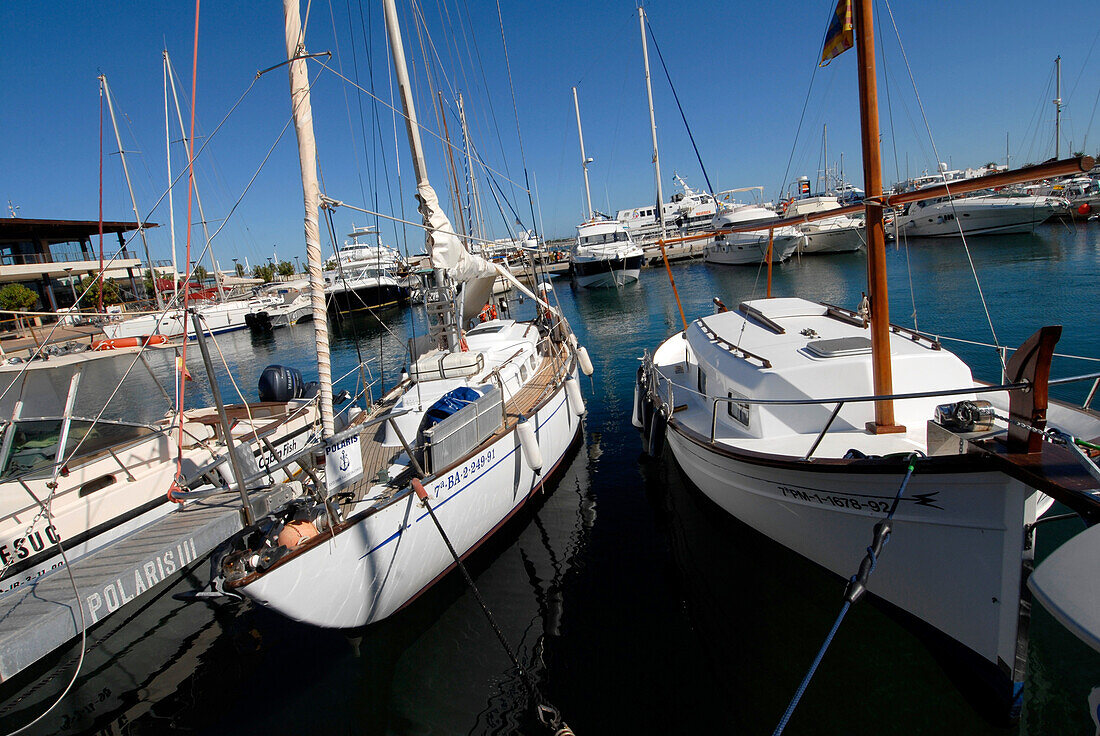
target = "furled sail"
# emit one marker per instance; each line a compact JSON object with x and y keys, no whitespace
{"x":444,"y":246}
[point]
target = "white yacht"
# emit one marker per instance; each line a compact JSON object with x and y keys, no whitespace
{"x":840,"y":234}
{"x":751,"y":247}
{"x":217,"y":317}
{"x":365,"y":276}
{"x":988,"y":213}
{"x":605,"y":255}
{"x":478,"y":426}
{"x":690,"y":211}
{"x":983,"y":214}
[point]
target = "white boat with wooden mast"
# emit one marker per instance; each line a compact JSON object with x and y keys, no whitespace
{"x":824,"y":430}
{"x":478,"y":427}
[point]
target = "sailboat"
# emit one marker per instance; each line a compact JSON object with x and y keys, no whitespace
{"x":826,"y":429}
{"x":480,"y":424}
{"x":605,"y":254}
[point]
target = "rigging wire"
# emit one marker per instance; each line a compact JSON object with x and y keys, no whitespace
{"x":897,"y":175}
{"x":519,"y":133}
{"x":683,"y":115}
{"x":958,"y":220}
{"x":429,"y":131}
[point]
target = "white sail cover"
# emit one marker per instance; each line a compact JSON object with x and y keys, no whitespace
{"x":444,"y":246}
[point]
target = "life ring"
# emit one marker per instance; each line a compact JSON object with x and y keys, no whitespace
{"x":487,"y":313}
{"x":129,"y":342}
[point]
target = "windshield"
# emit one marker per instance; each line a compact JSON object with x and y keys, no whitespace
{"x":34,"y":446}
{"x":614,"y":237}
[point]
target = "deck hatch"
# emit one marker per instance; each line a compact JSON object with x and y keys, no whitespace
{"x":840,"y":347}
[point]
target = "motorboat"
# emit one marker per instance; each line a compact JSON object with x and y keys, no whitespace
{"x":365,"y":276}
{"x":605,"y":255}
{"x":82,"y":468}
{"x":216,"y":318}
{"x":687,"y":212}
{"x":749,"y":248}
{"x":840,"y":234}
{"x":982,"y":214}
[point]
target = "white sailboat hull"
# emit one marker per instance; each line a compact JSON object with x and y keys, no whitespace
{"x":367,"y":572}
{"x":955,"y":557}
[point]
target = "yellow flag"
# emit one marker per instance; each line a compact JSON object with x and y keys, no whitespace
{"x":838,"y":38}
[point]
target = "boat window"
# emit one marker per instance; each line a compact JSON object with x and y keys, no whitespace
{"x":702,"y":381}
{"x":485,"y":330}
{"x":522,"y":372}
{"x":34,"y":446}
{"x":740,"y":412}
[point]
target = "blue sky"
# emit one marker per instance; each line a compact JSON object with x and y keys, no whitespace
{"x":742,"y":71}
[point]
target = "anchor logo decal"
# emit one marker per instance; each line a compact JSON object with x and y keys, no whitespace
{"x":345,"y":463}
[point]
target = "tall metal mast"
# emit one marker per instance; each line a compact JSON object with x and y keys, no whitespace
{"x":307,"y":158}
{"x":475,"y":200}
{"x":584,"y":159}
{"x":657,"y":167}
{"x":133,"y":200}
{"x":652,"y":124}
{"x":876,"y":240}
{"x":1058,"y":107}
{"x":171,"y":206}
{"x":184,"y":139}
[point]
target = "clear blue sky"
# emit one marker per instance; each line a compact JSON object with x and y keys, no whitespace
{"x":742,"y":70}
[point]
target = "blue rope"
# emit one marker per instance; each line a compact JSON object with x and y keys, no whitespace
{"x":810,"y":674}
{"x":856,"y":586}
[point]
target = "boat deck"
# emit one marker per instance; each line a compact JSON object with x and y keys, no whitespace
{"x":44,"y":615}
{"x":378,"y":457}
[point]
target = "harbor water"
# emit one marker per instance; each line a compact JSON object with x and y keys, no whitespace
{"x":638,"y":605}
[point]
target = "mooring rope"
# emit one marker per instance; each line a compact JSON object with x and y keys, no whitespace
{"x":857,"y":586}
{"x":548,"y":715}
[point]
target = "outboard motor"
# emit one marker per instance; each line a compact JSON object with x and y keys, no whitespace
{"x":259,"y":322}
{"x":283,"y":383}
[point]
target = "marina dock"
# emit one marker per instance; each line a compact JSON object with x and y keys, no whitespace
{"x":45,"y":615}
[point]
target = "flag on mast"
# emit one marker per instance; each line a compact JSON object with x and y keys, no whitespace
{"x":838,"y":37}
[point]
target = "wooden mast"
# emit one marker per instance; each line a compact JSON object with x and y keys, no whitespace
{"x":876,"y":240}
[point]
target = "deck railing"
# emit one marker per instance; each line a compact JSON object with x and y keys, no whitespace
{"x":655,"y":379}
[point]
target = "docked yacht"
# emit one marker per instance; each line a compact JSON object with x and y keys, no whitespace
{"x":748,"y":248}
{"x":485,"y":415}
{"x":605,"y":255}
{"x":690,"y":211}
{"x":832,"y":432}
{"x":365,"y":276}
{"x":982,"y":214}
{"x":840,"y":234}
{"x":217,"y":317}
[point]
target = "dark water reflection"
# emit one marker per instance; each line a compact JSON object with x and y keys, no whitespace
{"x":638,"y":606}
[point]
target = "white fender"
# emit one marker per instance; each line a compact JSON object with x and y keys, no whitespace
{"x":573,"y":395}
{"x":525,"y":430}
{"x":584,"y":361}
